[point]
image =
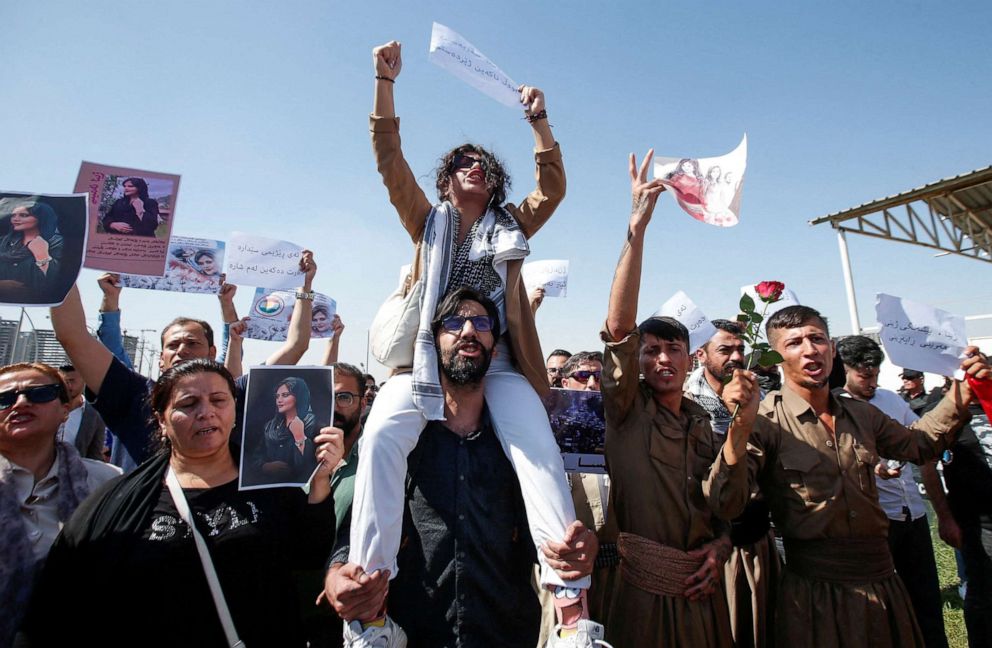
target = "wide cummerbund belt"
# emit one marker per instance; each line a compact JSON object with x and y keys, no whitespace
{"x":752,"y":525}
{"x":654,"y":567}
{"x":840,"y":560}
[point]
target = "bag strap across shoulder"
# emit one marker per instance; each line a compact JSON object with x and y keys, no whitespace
{"x":179,"y":499}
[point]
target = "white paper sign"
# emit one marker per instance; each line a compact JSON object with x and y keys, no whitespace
{"x":456,"y":55}
{"x":708,"y":189}
{"x":258,"y":261}
{"x":272,"y":309}
{"x":684,"y":310}
{"x":921,"y":337}
{"x":550,"y":275}
{"x":788,"y":298}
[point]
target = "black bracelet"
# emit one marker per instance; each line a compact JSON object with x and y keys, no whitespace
{"x":536,"y":116}
{"x":383,"y":78}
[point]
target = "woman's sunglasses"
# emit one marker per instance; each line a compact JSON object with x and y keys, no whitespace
{"x":38,"y":394}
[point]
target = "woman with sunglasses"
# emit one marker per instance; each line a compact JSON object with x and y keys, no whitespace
{"x":471,"y":238}
{"x":42,"y":480}
{"x":130,"y":550}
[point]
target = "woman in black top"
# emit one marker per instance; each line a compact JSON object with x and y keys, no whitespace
{"x":287,"y":451}
{"x":127,"y":550}
{"x":134,"y":213}
{"x":31,"y":250}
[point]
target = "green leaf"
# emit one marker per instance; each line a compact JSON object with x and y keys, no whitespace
{"x":769,"y":358}
{"x":756,"y":318}
{"x":753,"y":358}
{"x":764,"y":346}
{"x":743,"y":318}
{"x":747,"y":304}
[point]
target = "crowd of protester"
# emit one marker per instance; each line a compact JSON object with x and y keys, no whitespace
{"x":737,"y":508}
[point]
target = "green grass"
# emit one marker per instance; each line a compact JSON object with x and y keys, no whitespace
{"x":947,"y":572}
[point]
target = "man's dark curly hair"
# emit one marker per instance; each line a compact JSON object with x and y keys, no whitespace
{"x":497,"y":179}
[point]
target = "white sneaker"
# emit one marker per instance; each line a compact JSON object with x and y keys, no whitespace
{"x":388,"y":636}
{"x":589,"y":634}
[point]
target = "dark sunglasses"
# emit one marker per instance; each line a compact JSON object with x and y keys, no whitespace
{"x":455,"y":323}
{"x":39,"y":394}
{"x":462,"y":161}
{"x":584,"y":376}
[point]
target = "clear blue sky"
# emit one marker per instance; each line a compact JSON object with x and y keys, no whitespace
{"x":262,"y":108}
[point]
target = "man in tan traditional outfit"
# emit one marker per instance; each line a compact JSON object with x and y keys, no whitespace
{"x":813,"y":456}
{"x":658,"y":445}
{"x":754,"y":568}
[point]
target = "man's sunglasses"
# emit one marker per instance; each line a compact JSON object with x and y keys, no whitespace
{"x":584,"y":376}
{"x":455,"y":323}
{"x":462,"y":161}
{"x":38,"y":394}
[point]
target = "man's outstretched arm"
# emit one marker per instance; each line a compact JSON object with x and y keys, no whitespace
{"x":86,"y":353}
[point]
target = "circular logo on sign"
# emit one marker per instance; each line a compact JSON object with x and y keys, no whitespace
{"x":270,"y":305}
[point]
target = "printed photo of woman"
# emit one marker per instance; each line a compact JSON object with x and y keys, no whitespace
{"x":31,"y":249}
{"x":134,"y":213}
{"x":286,"y":453}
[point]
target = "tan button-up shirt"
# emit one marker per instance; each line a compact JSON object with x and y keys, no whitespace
{"x":40,"y":503}
{"x":819,"y":485}
{"x":657,"y":460}
{"x":413,"y":208}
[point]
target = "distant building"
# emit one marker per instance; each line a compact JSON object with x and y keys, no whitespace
{"x":41,"y":346}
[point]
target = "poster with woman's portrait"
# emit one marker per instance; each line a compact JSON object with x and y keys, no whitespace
{"x":579,"y":426}
{"x":271,"y":311}
{"x":708,"y":189}
{"x":42,"y":240}
{"x":131,"y":216}
{"x":285,"y":408}
{"x":192,"y":266}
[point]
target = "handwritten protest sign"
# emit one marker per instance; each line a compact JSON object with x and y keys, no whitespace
{"x":272,"y":309}
{"x":194,"y":266}
{"x":258,"y":261}
{"x":684,"y":310}
{"x":459,"y":57}
{"x":550,"y":275}
{"x":921,"y":337}
{"x":708,"y":189}
{"x":42,"y":239}
{"x":788,"y":298}
{"x":130,"y":217}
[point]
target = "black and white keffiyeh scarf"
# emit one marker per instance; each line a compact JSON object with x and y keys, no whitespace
{"x":498,"y":237}
{"x":700,"y":391}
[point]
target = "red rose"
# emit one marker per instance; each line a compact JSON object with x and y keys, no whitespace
{"x":770,"y":291}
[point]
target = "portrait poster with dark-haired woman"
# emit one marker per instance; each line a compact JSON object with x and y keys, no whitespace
{"x":271,"y":310}
{"x":194,"y":266}
{"x":285,"y":408}
{"x":130,"y":218}
{"x":42,"y":240}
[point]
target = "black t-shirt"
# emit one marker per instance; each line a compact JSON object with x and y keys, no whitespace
{"x":152,"y":589}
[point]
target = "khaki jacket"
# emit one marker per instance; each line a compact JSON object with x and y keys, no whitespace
{"x":413,"y":208}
